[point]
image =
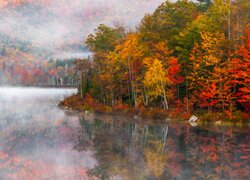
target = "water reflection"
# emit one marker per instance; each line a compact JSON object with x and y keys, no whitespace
{"x":151,"y":150}
{"x":40,"y":141}
{"x":37,"y":138}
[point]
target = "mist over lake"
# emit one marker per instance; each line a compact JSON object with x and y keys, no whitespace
{"x":124,"y":89}
{"x":40,"y":141}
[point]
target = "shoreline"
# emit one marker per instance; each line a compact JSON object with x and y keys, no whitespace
{"x":74,"y":102}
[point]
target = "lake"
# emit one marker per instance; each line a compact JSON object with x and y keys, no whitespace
{"x":40,"y":141}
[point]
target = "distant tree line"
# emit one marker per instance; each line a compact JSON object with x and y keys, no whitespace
{"x":31,"y":73}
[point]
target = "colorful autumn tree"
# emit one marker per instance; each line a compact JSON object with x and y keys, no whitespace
{"x":209,"y":80}
{"x":101,"y":44}
{"x":183,"y":51}
{"x":132,"y":54}
{"x":155,"y":81}
{"x":240,"y":72}
{"x":161,"y":74}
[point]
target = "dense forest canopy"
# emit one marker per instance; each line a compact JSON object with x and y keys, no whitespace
{"x":186,"y":54}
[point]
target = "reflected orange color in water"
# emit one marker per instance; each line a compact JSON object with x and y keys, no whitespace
{"x":17,"y":168}
{"x":40,"y":141}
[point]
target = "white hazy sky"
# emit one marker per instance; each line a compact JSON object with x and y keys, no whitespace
{"x":53,"y":24}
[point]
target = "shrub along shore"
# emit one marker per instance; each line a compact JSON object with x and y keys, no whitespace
{"x":75,"y":103}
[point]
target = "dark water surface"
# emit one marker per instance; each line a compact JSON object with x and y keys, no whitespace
{"x":40,"y":141}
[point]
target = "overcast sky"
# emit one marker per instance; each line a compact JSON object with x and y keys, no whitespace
{"x":53,"y":24}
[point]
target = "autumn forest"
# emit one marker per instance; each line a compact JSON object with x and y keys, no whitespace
{"x":124,"y":89}
{"x":185,"y":56}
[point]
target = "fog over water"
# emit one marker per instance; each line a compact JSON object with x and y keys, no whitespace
{"x":40,"y":141}
{"x":37,"y":137}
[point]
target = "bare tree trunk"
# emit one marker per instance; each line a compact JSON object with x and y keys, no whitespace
{"x":120,"y":91}
{"x":134,"y":93}
{"x":131,"y":81}
{"x":145,"y":97}
{"x":112,"y":95}
{"x":81,"y":86}
{"x":164,"y":97}
{"x":101,"y":86}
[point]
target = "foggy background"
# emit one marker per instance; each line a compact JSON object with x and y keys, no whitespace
{"x":58,"y":28}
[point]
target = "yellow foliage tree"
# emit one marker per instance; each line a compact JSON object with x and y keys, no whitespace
{"x":132,"y":54}
{"x":155,"y":79}
{"x":213,"y":46}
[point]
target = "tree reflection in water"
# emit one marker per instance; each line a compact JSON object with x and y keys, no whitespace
{"x":157,"y":150}
{"x":39,"y":141}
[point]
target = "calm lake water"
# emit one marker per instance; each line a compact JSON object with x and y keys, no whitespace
{"x":40,"y":141}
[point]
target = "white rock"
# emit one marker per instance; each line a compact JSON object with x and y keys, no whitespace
{"x":193,"y":121}
{"x":193,"y":118}
{"x":193,"y":124}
